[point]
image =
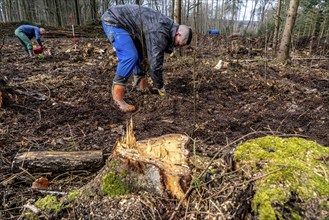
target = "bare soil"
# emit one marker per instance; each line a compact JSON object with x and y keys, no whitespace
{"x":63,"y":102}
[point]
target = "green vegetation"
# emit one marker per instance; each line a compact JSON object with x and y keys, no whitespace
{"x":48,"y":203}
{"x":74,"y":195}
{"x":113,"y":185}
{"x":283,"y":167}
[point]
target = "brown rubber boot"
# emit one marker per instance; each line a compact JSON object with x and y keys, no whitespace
{"x":117,"y":94}
{"x":142,"y":86}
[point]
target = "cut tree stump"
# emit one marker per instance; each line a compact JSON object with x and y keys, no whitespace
{"x":158,"y":165}
{"x":58,"y":161}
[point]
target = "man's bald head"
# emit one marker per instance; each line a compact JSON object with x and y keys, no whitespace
{"x":183,"y":35}
{"x":42,"y":31}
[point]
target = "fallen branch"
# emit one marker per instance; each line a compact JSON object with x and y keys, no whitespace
{"x":311,"y":58}
{"x":58,"y":161}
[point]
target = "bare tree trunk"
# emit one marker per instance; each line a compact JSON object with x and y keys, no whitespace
{"x":19,"y":10}
{"x":93,"y":11}
{"x":173,"y":9}
{"x":77,"y":14}
{"x":324,"y":24}
{"x":216,"y":15}
{"x":277,"y":27}
{"x":222,"y":16}
{"x":251,"y":16}
{"x":245,"y":11}
{"x":178,"y":11}
{"x":187,"y":7}
{"x":316,"y":28}
{"x":263,"y":11}
{"x":283,"y":54}
{"x":212,"y":14}
{"x":58,"y":14}
{"x":206,"y":17}
{"x":233,"y":16}
{"x":201,"y":17}
{"x":3,"y":17}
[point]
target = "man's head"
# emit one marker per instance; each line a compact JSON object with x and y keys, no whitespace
{"x":42,"y":31}
{"x":183,"y":36}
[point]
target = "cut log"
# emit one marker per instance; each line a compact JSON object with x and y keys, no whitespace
{"x":58,"y":161}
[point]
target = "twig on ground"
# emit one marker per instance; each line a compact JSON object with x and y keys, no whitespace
{"x":57,"y":193}
{"x":33,"y":208}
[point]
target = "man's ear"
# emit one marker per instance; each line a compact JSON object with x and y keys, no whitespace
{"x":178,"y":34}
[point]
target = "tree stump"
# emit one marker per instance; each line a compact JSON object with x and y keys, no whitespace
{"x":158,"y":165}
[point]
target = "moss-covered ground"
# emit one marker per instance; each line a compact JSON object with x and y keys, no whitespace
{"x":284,"y":169}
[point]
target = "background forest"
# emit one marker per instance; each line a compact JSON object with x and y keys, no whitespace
{"x":229,"y":16}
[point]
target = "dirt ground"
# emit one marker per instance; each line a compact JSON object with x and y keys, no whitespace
{"x":63,"y":102}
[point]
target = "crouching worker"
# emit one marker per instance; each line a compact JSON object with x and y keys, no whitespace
{"x":25,"y":33}
{"x":137,"y":33}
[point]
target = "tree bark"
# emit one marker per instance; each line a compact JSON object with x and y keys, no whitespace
{"x":277,"y":27}
{"x":77,"y":14}
{"x":178,"y":11}
{"x":251,"y":16}
{"x":58,"y":14}
{"x":316,"y":27}
{"x":283,"y":53}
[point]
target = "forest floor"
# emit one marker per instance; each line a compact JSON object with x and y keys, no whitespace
{"x":63,"y":102}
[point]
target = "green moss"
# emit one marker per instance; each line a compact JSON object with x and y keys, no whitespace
{"x":30,"y":216}
{"x":73,"y":195}
{"x":48,"y":203}
{"x":289,"y":165}
{"x":113,"y":185}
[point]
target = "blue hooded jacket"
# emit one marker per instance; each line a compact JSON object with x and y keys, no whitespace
{"x":31,"y":31}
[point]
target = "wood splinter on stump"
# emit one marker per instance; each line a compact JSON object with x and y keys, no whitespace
{"x":163,"y":161}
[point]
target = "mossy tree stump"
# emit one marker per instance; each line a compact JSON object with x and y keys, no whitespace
{"x":158,"y":165}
